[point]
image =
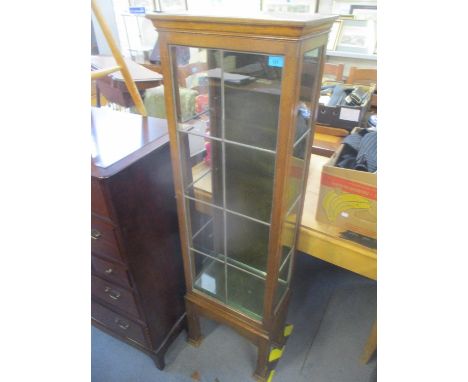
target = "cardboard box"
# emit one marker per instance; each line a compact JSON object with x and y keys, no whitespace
{"x":345,"y":117}
{"x":348,"y":198}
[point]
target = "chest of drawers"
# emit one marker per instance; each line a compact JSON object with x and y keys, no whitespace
{"x":137,"y":281}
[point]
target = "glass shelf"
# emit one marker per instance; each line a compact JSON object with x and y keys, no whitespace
{"x":231,"y":285}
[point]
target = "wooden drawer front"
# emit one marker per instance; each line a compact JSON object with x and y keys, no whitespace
{"x":104,"y":239}
{"x":98,"y":201}
{"x":110,"y":270}
{"x":118,"y":323}
{"x":114,"y":295}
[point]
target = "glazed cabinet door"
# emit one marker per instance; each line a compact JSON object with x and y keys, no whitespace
{"x":227,"y":147}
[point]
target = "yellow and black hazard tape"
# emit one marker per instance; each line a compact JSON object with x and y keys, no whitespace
{"x":288,"y":330}
{"x":276,"y":353}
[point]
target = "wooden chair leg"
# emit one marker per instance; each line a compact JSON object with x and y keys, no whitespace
{"x":371,"y":345}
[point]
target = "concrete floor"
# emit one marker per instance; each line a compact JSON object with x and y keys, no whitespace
{"x":332,"y":311}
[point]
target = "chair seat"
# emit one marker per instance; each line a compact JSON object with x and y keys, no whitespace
{"x":155,"y":104}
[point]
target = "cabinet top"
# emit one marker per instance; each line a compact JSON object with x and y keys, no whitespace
{"x":264,"y":23}
{"x":119,"y":139}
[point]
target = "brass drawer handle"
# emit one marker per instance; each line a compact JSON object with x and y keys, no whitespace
{"x":121,"y":323}
{"x":108,"y":271}
{"x":113,"y":294}
{"x":95,"y":234}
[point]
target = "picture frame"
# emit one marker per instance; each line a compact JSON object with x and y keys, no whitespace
{"x":334,"y":34}
{"x":346,"y":17}
{"x":357,"y":9}
{"x":357,"y":36}
{"x":366,"y":12}
{"x":172,"y":5}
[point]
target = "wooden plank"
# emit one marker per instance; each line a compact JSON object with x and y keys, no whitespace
{"x":325,"y":145}
{"x":335,"y":131}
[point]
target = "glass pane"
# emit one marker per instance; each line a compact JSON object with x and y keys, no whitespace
{"x":247,"y":243}
{"x":296,"y":167}
{"x":249,"y":181}
{"x":289,"y":231}
{"x":283,"y":279}
{"x":209,"y":276}
{"x":201,"y":168}
{"x":288,"y":237}
{"x":245,"y":292}
{"x":197,"y":93}
{"x":252,"y":87}
{"x":204,"y":235}
{"x":309,"y":77}
{"x":284,"y":268}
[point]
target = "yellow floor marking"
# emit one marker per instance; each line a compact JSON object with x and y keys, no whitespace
{"x":275,"y":354}
{"x":288,"y":330}
{"x":270,"y":377}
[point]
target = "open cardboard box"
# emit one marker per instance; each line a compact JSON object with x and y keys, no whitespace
{"x":346,"y":117}
{"x":348,"y":198}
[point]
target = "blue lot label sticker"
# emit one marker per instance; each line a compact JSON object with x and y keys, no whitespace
{"x":277,"y":61}
{"x":137,"y":10}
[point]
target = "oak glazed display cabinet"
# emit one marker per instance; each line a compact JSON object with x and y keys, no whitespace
{"x":241,"y":97}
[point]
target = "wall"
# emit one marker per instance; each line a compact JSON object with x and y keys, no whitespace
{"x":107,"y":10}
{"x":342,"y":7}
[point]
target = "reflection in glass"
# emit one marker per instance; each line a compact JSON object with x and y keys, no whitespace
{"x":309,"y":74}
{"x":197,"y":93}
{"x":202,"y":168}
{"x":245,"y":292}
{"x":209,"y":276}
{"x":204,"y":235}
{"x":251,"y":97}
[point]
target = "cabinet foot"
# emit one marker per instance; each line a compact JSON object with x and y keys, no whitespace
{"x":261,"y":371}
{"x":159,"y":361}
{"x":194,"y":336}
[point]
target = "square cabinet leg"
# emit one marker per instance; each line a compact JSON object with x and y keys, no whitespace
{"x":278,"y":339}
{"x":159,"y":361}
{"x":261,"y":371}
{"x":193,"y":326}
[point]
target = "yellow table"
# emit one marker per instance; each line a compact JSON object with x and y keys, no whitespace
{"x":323,"y":241}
